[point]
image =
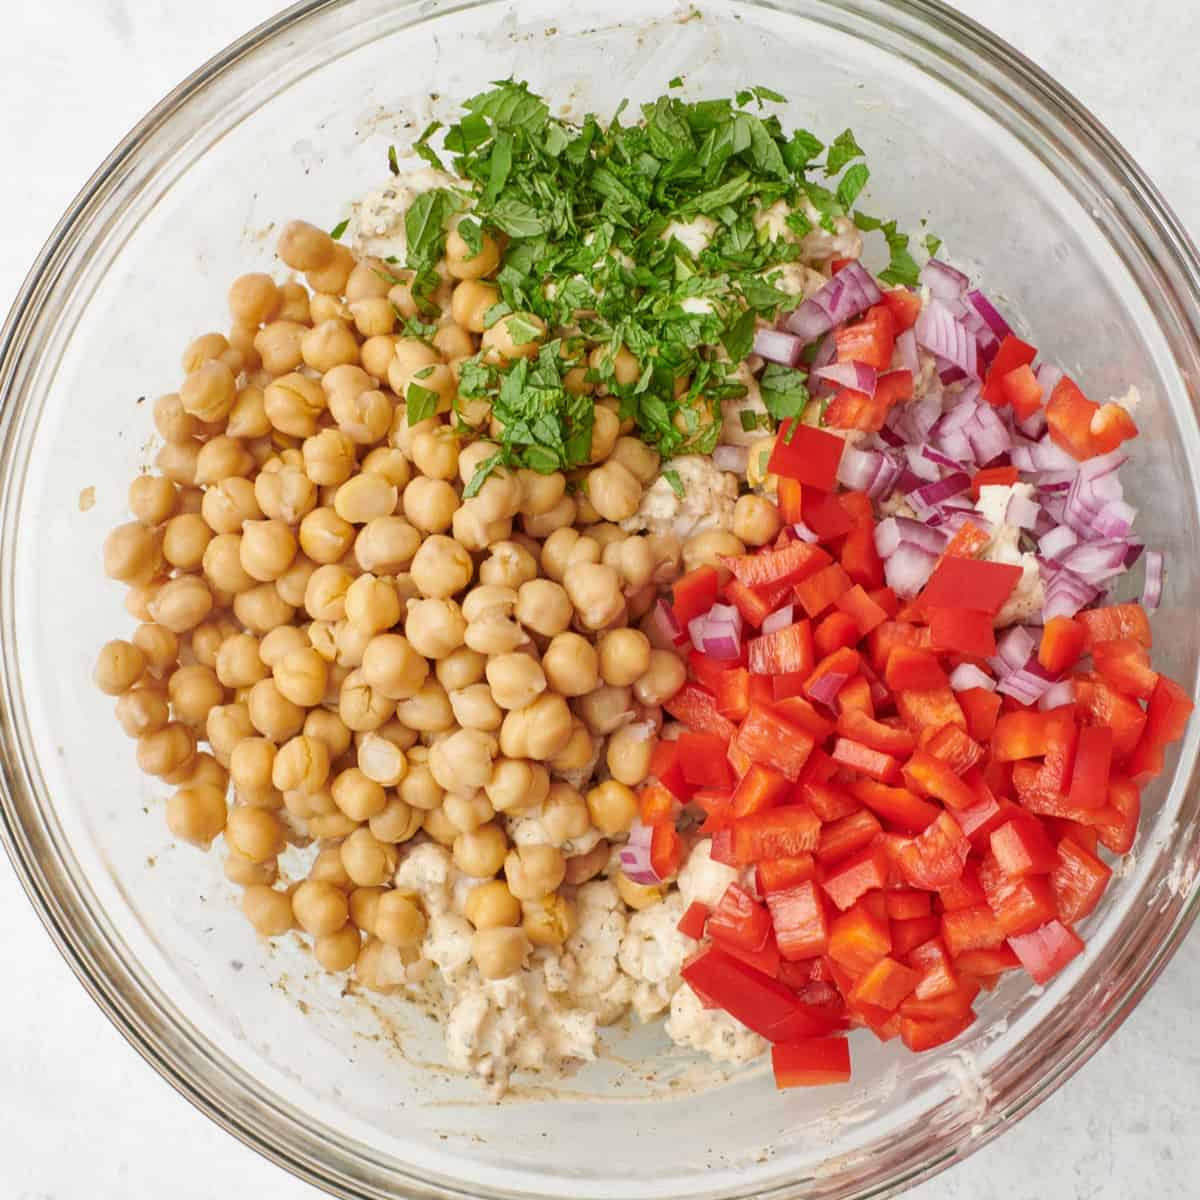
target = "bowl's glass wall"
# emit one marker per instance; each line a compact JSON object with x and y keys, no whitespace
{"x":349,"y":1088}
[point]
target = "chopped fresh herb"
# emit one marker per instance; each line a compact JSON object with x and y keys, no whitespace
{"x":423,"y":148}
{"x":413,"y":327}
{"x":340,"y":228}
{"x":749,"y":420}
{"x":421,"y":403}
{"x":495,"y":313}
{"x":851,"y":183}
{"x":676,"y":82}
{"x":902,"y":268}
{"x":523,"y":331}
{"x":932,"y":245}
{"x":844,"y":149}
{"x":784,"y":391}
{"x":482,"y":472}
{"x":672,"y":477}
{"x":764,"y":459}
{"x":739,"y":336}
{"x":471,"y":232}
{"x":393,"y":161}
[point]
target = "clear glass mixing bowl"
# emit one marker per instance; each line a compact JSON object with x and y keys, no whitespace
{"x":294,"y":121}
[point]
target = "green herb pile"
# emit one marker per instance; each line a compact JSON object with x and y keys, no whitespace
{"x":584,"y":208}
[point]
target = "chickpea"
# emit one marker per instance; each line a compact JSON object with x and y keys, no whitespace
{"x":710,"y":548}
{"x":226,"y":505}
{"x":269,"y":911}
{"x":571,"y":665}
{"x":441,"y":567}
{"x":463,"y":264}
{"x":454,"y":343}
{"x":329,"y":344}
{"x":377,"y":351}
{"x":357,"y":796}
{"x":624,"y":656}
{"x":606,"y":709}
{"x":338,"y":951}
{"x":132,"y":553}
{"x":364,"y":907}
{"x":606,"y":427}
{"x":549,"y":921}
{"x":250,"y":764}
{"x":534,"y":871}
{"x":386,"y":545}
{"x":435,"y":452}
{"x":253,"y":298}
{"x":614,"y":491}
{"x":564,"y":814}
{"x":475,"y":534}
{"x":119,"y":666}
{"x":508,"y":565}
{"x":638,"y":896}
{"x":301,"y":676}
{"x":538,"y":731}
{"x":325,"y":595}
{"x":197,"y":814}
{"x":398,"y":921}
{"x":301,"y":765}
{"x":474,"y":708}
{"x":319,"y":907}
{"x":363,"y":415}
{"x":481,"y":853}
{"x":544,"y":607}
{"x":515,"y":680}
{"x":177,"y":461}
{"x":159,"y":647}
{"x":267,"y":549}
{"x":272,"y":713}
{"x":628,"y":754}
{"x":419,"y":789}
{"x":225,"y":726}
{"x":304,"y":247}
{"x":470,"y":301}
{"x":411,"y":356}
{"x":222,"y":458}
{"x":329,"y":457}
{"x":637,"y":458}
{"x":254,"y":833}
{"x":517,"y":785}
{"x":325,"y":536}
{"x":360,"y":706}
{"x":193,"y":692}
{"x":544,"y":524}
{"x":337,"y":825}
{"x":463,"y":761}
{"x":756,"y":520}
{"x":372,"y":605}
{"x":460,"y":669}
{"x":582,"y":867}
{"x":430,"y":504}
{"x":208,"y":392}
{"x":499,"y":952}
{"x":494,"y":634}
{"x":142,"y":710}
{"x":248,"y":416}
{"x":663,"y":678}
{"x":293,"y":583}
{"x":276,"y":645}
{"x":293,"y":402}
{"x":261,"y":609}
{"x":152,"y":499}
{"x":182,"y":603}
{"x":397,"y":823}
{"x":373,"y":316}
{"x":580,"y":752}
{"x":499,"y":499}
{"x":492,"y":906}
{"x":329,"y":728}
{"x":434,"y":628}
{"x":173,"y":423}
{"x":364,"y":497}
{"x":612,"y":806}
{"x":564,"y":549}
{"x":367,"y":861}
{"x":467,"y":811}
{"x":517,"y":335}
{"x":381,"y":968}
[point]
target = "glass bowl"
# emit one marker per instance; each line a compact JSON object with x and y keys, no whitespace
{"x":350,"y":1092}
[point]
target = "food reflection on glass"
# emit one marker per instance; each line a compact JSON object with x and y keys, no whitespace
{"x":598,"y":591}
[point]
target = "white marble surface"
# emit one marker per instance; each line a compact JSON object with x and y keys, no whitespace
{"x":83,"y":1117}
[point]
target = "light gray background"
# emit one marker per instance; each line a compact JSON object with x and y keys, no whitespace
{"x":83,"y":1118}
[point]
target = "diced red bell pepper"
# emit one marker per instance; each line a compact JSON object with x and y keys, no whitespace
{"x":888,"y":636}
{"x":1116,"y":621}
{"x":993,"y":477}
{"x":667,"y":769}
{"x":965,"y":892}
{"x":837,"y":631}
{"x":1069,"y":416}
{"x":694,"y":594}
{"x":929,"y":709}
{"x":708,"y":672}
{"x":885,"y":738}
{"x":956,"y":748}
{"x":829,"y":802}
{"x":1022,"y":847}
{"x":739,"y":761}
{"x":721,"y":849}
{"x":1045,"y":951}
{"x":1019,"y":905}
{"x":968,"y":541}
{"x":854,"y":696}
{"x":799,"y":712}
{"x":789,"y":566}
{"x":870,"y":341}
{"x":962,"y":631}
{"x":898,"y":807}
{"x":702,"y":759}
{"x":1022,"y":390}
{"x":800,"y":920}
{"x":1118,"y":827}
{"x":767,"y":960}
{"x":858,"y":939}
{"x":981,"y":818}
{"x":852,"y":409}
{"x":1084,"y":836}
{"x":860,"y":558}
{"x":910,"y":933}
{"x":697,"y":709}
{"x":822,"y":589}
{"x":1093,"y":764}
{"x":1030,"y":734}
{"x":909,"y":669}
{"x":759,"y":789}
{"x":866,"y":761}
{"x":852,"y":879}
{"x":971,"y":929}
{"x":930,"y":776}
{"x":775,"y":833}
{"x":786,"y":651}
{"x":905,"y":307}
{"x":691,"y":924}
{"x":952,"y":1005}
{"x":790,"y":500}
{"x":1104,"y":705}
{"x":986,"y":963}
{"x":1078,"y":880}
{"x":836,"y":669}
{"x":847,"y":835}
{"x":865,"y":612}
{"x":732,"y":693}
{"x":885,"y":984}
{"x":904,"y":904}
{"x":666,"y":851}
{"x":717,"y":807}
{"x":1062,"y":644}
{"x":755,"y":609}
{"x":931,"y":959}
{"x":656,"y":805}
{"x":808,"y":454}
{"x":970,"y":583}
{"x":926,"y":1035}
{"x":822,"y":513}
{"x":740,"y":920}
{"x":1111,"y":426}
{"x":937,"y":856}
{"x":767,"y":737}
{"x":1166,"y":722}
{"x":981,"y":709}
{"x":776,"y":874}
{"x":1013,"y":353}
{"x":1125,"y":664}
{"x":813,"y":1062}
{"x":893,"y":387}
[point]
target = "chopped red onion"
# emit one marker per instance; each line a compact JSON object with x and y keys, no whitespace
{"x":1034,"y":425}
{"x":826,"y":352}
{"x":890,"y":438}
{"x":732,"y":458}
{"x":1049,"y":376}
{"x":913,"y":421}
{"x":662,"y":628}
{"x":1133,"y":553}
{"x":850,"y":292}
{"x":777,"y":346}
{"x":988,"y":435}
{"x":854,"y":375}
{"x":1044,"y":455}
{"x":989,"y":314}
{"x":1058,"y":694}
{"x":920,"y":465}
{"x":942,"y":460}
{"x":1065,"y":592}
{"x":1114,"y":519}
{"x":804,"y":533}
{"x":1028,"y":683}
{"x":1013,"y":649}
{"x":908,"y":569}
{"x":930,"y":495}
{"x":868,"y":471}
{"x":635,"y":855}
{"x":906,"y":352}
{"x":894,"y":532}
{"x":940,"y":333}
{"x":824,"y":690}
{"x":1057,"y":542}
{"x":1155,"y":573}
{"x":1097,"y":561}
{"x":781,"y":618}
{"x":944,"y":281}
{"x":967,"y":675}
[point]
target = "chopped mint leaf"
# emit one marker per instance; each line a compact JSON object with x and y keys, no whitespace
{"x":340,"y":228}
{"x":902,"y":269}
{"x":784,"y":391}
{"x":471,"y":232}
{"x":801,"y":149}
{"x":672,"y":477}
{"x":739,"y":336}
{"x":422,"y":403}
{"x":749,"y":420}
{"x":482,"y":471}
{"x":676,"y":82}
{"x":932,"y":245}
{"x":426,"y":151}
{"x":523,"y":331}
{"x":425,"y":226}
{"x":851,"y":183}
{"x":798,"y":223}
{"x":844,"y":149}
{"x":495,"y":313}
{"x":393,"y":162}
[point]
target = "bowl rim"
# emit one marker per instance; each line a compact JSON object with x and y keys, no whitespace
{"x":1032,"y":87}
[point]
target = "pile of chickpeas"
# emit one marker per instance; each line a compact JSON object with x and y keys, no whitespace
{"x":370,"y":658}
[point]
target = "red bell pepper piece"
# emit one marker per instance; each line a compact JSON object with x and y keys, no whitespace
{"x":1116,"y":621}
{"x":1069,"y":416}
{"x":717,"y":807}
{"x":1104,"y":705}
{"x":981,"y":709}
{"x":885,"y":738}
{"x":905,"y":904}
{"x":829,"y":802}
{"x":854,"y":696}
{"x":739,"y":920}
{"x":905,"y":307}
{"x":931,"y":959}
{"x":1022,"y":390}
{"x":930,"y":776}
{"x":926,"y":1035}
{"x":970,"y":583}
{"x":1166,"y":721}
{"x":1062,"y":643}
{"x":754,"y":608}
{"x":776,"y":874}
{"x":910,"y":933}
{"x":766,"y":960}
{"x":962,"y":631}
{"x":937,"y":856}
{"x":859,"y":938}
{"x":769,"y":738}
{"x":888,"y":636}
{"x":795,"y":562}
{"x":982,"y":817}
{"x":837,"y":631}
{"x":1013,"y":353}
{"x":909,"y":669}
{"x":822,"y":513}
{"x":732,"y":693}
{"x":847,"y":835}
{"x":808,"y":454}
{"x":666,"y":851}
{"x":932,"y":709}
{"x":667,"y":769}
{"x":898,"y":807}
{"x":852,"y":409}
{"x":694,"y":594}
{"x":1045,"y":951}
{"x":956,"y":748}
{"x":865,"y":612}
{"x":971,"y":929}
{"x":866,"y":761}
{"x":697,"y":709}
{"x":871,"y":340}
{"x":786,"y":651}
{"x":702,"y":759}
{"x":1117,"y":822}
{"x":1022,"y":847}
{"x":1029,"y":734}
{"x":790,"y":499}
{"x":993,"y":477}
{"x":800,"y":920}
{"x":861,"y":560}
{"x":1078,"y":880}
{"x":1093,"y":763}
{"x":967,"y":542}
{"x":886,"y":984}
{"x":1020,"y":905}
{"x":812,"y":1062}
{"x":965,"y":892}
{"x":691,"y":924}
{"x":1125,"y":664}
{"x":852,"y":879}
{"x":1111,"y":426}
{"x":708,"y":672}
{"x":656,"y":805}
{"x":759,"y":789}
{"x":839,"y":667}
{"x":822,"y":589}
{"x":721,"y":849}
{"x":798,"y":711}
{"x":893,"y":387}
{"x":775,"y":833}
{"x":986,"y":963}
{"x":952,"y":1005}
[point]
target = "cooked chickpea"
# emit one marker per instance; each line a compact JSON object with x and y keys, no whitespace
{"x":463,"y":264}
{"x":373,"y":316}
{"x":364,"y":497}
{"x":517,"y":335}
{"x":329,"y":457}
{"x":386,"y":545}
{"x":515,"y":680}
{"x":434,"y":628}
{"x":118,"y":667}
{"x":499,"y":952}
{"x":269,"y":911}
{"x":228,"y":504}
{"x":357,"y":796}
{"x":481,"y":852}
{"x":508,"y":564}
{"x":540,"y":493}
{"x":571,"y":665}
{"x":267,"y":549}
{"x":474,"y":708}
{"x":329,"y":728}
{"x":338,"y":951}
{"x":182,"y":603}
{"x":564,"y":814}
{"x":293,"y":583}
{"x":470,"y":301}
{"x":152,"y":499}
{"x":564,"y":549}
{"x":534,"y":871}
{"x":628,"y":753}
{"x":637,"y":458}
{"x":253,"y":298}
{"x":261,"y":609}
{"x":177,"y":461}
{"x":325,"y":594}
{"x":595,"y":590}
{"x":709,"y":548}
{"x":435,"y":452}
{"x":254,"y":833}
{"x":612,"y":806}
{"x":227,"y":724}
{"x":304,"y":247}
{"x":544,"y":524}
{"x":392,"y":667}
{"x":493,"y":633}
{"x":756,"y":520}
{"x":248,"y":417}
{"x":453,"y":342}
{"x":460,"y":669}
{"x":272,"y":713}
{"x":638,"y":896}
{"x":606,"y":709}
{"x":222,"y":564}
{"x":663,"y":678}
{"x":329,"y":344}
{"x":517,"y":785}
{"x":250,"y":764}
{"x":544,"y":607}
{"x":142,"y":710}
{"x":549,"y":921}
{"x":467,"y":811}
{"x":208,"y":392}
{"x":367,"y":861}
{"x":319,"y":907}
{"x":377,"y":351}
{"x":538,"y":731}
{"x":369,"y":278}
{"x":441,"y":567}
{"x":194,"y":691}
{"x":463,"y":761}
{"x":492,"y":906}
{"x":361,"y":706}
{"x":363,"y":415}
{"x":430,"y":504}
{"x":302,"y":676}
{"x":132,"y":553}
{"x":624,"y":656}
{"x":197,"y":814}
{"x":606,"y":426}
{"x":275,"y":646}
{"x":614,"y":491}
{"x":578,"y":753}
{"x":411,"y":356}
{"x":582,"y":867}
{"x":398,"y":921}
{"x":293,"y":402}
{"x":419,"y":788}
{"x":364,"y":907}
{"x":372,"y":605}
{"x":222,"y":457}
{"x":173,"y":423}
{"x":397,"y":823}
{"x":159,"y":646}
{"x":301,"y":765}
